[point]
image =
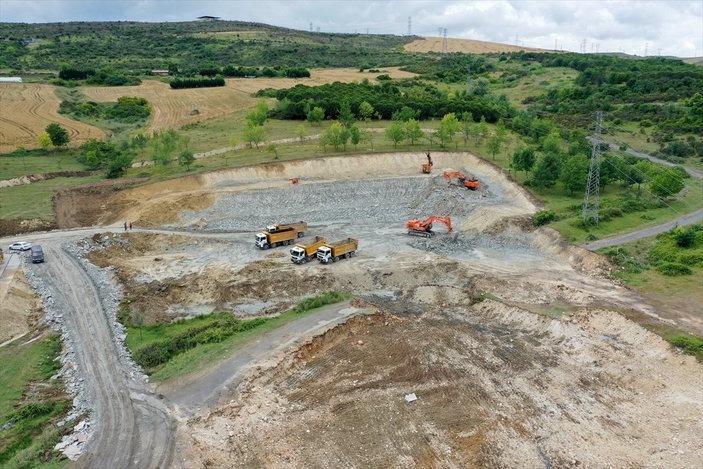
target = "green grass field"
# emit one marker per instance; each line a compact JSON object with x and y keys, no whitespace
{"x":35,"y":200}
{"x":35,"y":407}
{"x":12,"y":166}
{"x":536,"y":84}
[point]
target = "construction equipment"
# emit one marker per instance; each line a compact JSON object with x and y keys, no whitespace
{"x":332,"y":252}
{"x":302,"y":253}
{"x":279,"y":235}
{"x":470,"y":183}
{"x":294,"y":180}
{"x":424,"y":228}
{"x":427,"y":167}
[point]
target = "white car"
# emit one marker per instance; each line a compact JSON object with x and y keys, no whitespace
{"x":20,"y":246}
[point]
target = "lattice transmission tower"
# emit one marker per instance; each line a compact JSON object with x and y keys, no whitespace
{"x":444,"y":40}
{"x":591,"y":201}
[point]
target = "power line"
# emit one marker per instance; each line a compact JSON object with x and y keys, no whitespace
{"x":591,"y":200}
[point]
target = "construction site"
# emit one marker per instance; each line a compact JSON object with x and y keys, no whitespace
{"x":471,"y":339}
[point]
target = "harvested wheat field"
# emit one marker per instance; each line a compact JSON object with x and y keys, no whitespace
{"x":174,"y":108}
{"x":470,"y":46}
{"x":25,"y":111}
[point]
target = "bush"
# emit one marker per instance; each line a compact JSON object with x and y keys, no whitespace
{"x":543,"y":217}
{"x":694,"y":259}
{"x":201,"y":82}
{"x":685,"y":238}
{"x":673,"y":269}
{"x":689,"y":345}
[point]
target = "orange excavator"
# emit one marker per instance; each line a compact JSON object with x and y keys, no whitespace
{"x":427,"y":167}
{"x":470,"y":182}
{"x":424,"y":228}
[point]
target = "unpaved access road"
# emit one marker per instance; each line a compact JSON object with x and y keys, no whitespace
{"x":205,"y":389}
{"x":645,"y":232}
{"x":133,"y":429}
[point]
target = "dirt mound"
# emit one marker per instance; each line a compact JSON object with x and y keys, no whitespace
{"x":88,"y":204}
{"x":10,"y":227}
{"x":490,"y":389}
{"x":21,"y":310}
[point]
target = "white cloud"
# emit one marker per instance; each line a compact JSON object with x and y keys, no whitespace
{"x":666,"y":27}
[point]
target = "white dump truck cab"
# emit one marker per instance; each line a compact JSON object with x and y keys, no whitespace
{"x":261,"y":240}
{"x":271,"y":228}
{"x":324,"y":254}
{"x":297,"y":255}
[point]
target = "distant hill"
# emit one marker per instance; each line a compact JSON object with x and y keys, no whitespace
{"x":467,"y":46}
{"x":694,"y":60}
{"x":126,"y":46}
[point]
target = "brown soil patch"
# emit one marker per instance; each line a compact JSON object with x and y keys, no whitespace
{"x":467,"y":46}
{"x":10,"y":227}
{"x":88,"y":204}
{"x":492,"y":382}
{"x":26,"y":110}
{"x":21,"y":311}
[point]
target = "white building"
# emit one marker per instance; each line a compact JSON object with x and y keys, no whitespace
{"x":10,"y":79}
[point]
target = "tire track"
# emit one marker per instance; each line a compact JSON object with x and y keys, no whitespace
{"x":132,"y":429}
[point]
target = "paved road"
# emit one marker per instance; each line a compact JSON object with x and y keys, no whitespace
{"x":645,"y":232}
{"x":207,"y":388}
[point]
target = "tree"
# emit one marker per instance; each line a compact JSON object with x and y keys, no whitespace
{"x":346,"y":118}
{"x":254,"y":135}
{"x":259,"y":115}
{"x":315,"y":115}
{"x":547,"y":171}
{"x":335,"y":135}
{"x":301,"y":132}
{"x":574,"y":173}
{"x":233,"y":141}
{"x":413,"y":131}
{"x":405,"y":114}
{"x":480,"y":130}
{"x":354,"y":135}
{"x":395,"y":132}
{"x":44,"y":140}
{"x":466,"y":121}
{"x":139,"y":141}
{"x":524,"y":159}
{"x":273,"y":148}
{"x":494,"y":145}
{"x":366,"y":111}
{"x":448,"y":127}
{"x":635,"y":176}
{"x":58,"y":135}
{"x":186,"y":158}
{"x":666,"y":184}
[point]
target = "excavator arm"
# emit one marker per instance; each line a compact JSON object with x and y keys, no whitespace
{"x":424,"y":228}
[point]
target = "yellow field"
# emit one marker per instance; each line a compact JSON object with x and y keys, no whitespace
{"x":25,"y":111}
{"x":174,"y":108}
{"x":469,"y":46}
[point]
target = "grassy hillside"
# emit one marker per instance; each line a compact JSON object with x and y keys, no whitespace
{"x":131,"y":46}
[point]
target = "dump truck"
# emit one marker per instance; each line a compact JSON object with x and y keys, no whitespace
{"x":332,"y":252}
{"x":279,"y":235}
{"x":302,"y":253}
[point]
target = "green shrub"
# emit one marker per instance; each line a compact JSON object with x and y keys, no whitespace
{"x":543,"y":217}
{"x":685,"y":238}
{"x":692,"y":259}
{"x":690,"y":345}
{"x":612,"y":212}
{"x":673,"y":269}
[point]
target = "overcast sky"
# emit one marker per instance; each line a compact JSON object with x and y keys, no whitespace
{"x":634,"y":27}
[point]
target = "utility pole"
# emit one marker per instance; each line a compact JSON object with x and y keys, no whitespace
{"x":410,"y":25}
{"x":591,"y":200}
{"x":311,"y":26}
{"x":646,"y":46}
{"x":444,"y":41}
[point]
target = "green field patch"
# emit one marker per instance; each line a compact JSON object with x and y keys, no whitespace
{"x":35,"y":200}
{"x":31,"y":403}
{"x":26,"y":162}
{"x":186,"y":345}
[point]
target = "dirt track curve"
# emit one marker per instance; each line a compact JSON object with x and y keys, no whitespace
{"x":133,"y":428}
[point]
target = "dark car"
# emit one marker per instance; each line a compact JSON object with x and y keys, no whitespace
{"x":37,"y":254}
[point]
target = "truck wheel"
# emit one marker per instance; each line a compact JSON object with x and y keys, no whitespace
{"x":352,"y":254}
{"x":301,"y":234}
{"x":335,"y":259}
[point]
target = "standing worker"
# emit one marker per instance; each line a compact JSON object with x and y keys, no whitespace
{"x":130,"y":226}
{"x":125,"y":226}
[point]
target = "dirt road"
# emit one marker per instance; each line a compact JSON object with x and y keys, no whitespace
{"x":133,"y":429}
{"x":646,"y":232}
{"x":205,"y":389}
